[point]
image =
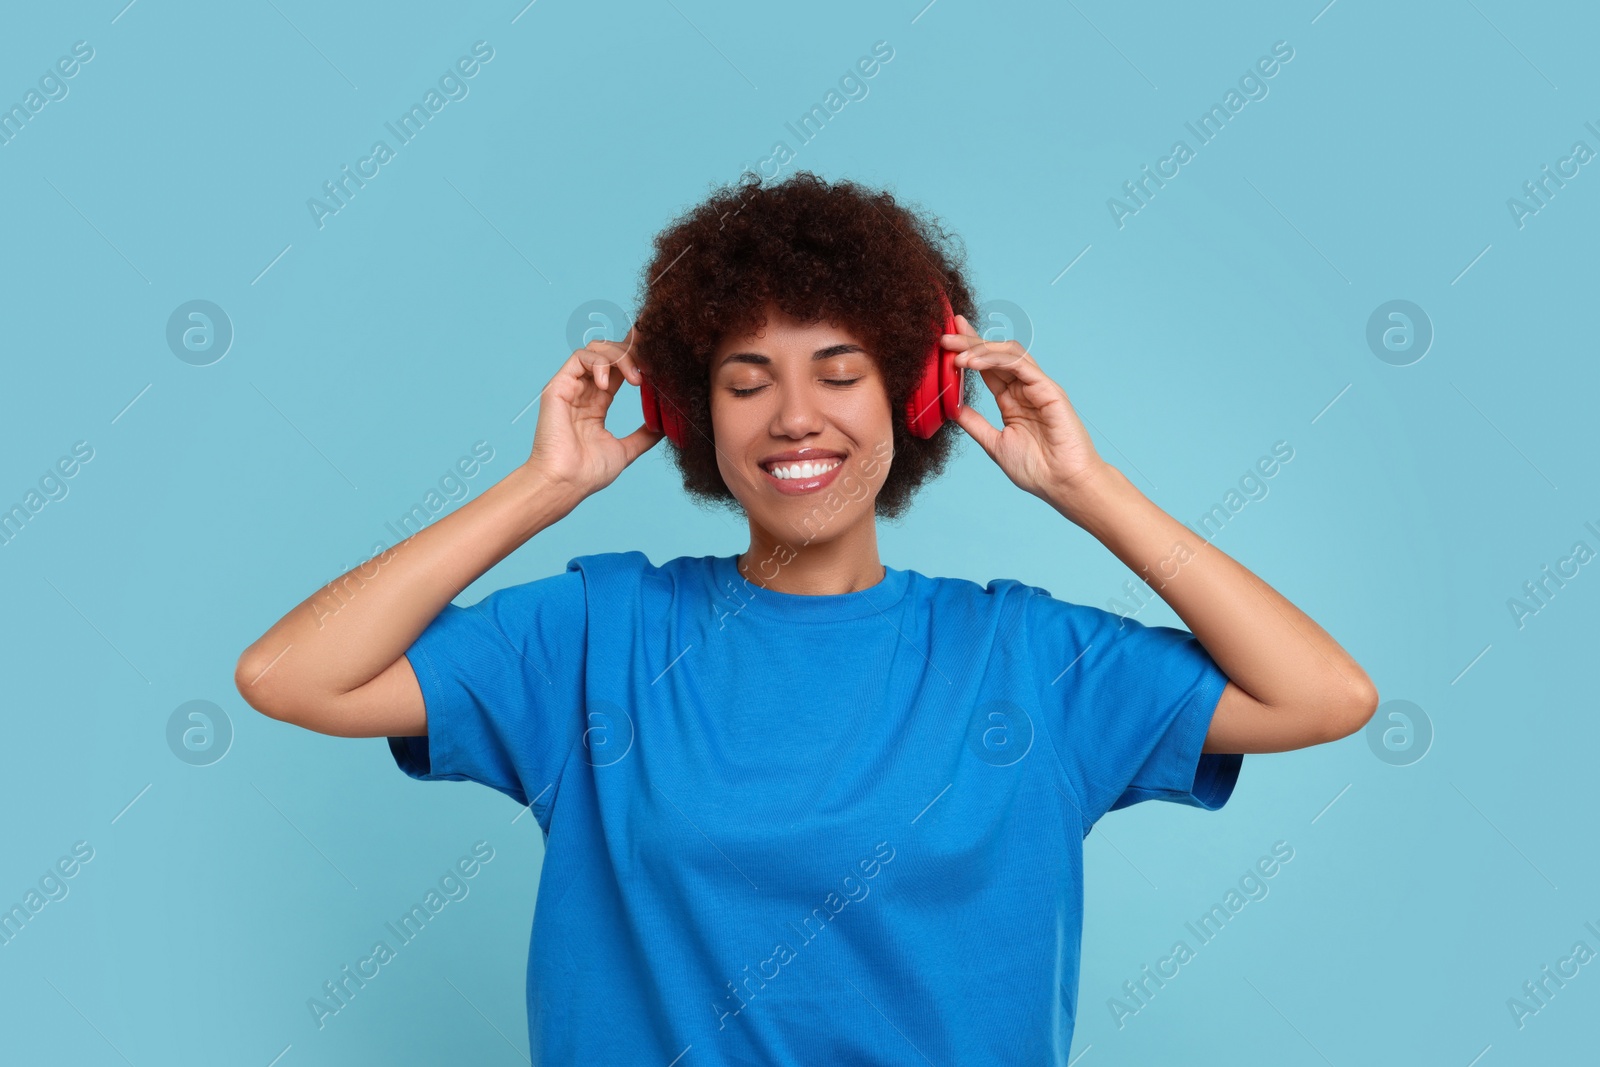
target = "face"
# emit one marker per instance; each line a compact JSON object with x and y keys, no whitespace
{"x":791,"y":394}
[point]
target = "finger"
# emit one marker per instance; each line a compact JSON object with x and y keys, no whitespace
{"x":1006,"y":357}
{"x":624,"y":344}
{"x":961,"y":341}
{"x":979,"y":429}
{"x":995,"y":380}
{"x":619,"y":354}
{"x":592,"y":369}
{"x":629,"y":366}
{"x":601,"y":360}
{"x":997,"y":353}
{"x":640,"y":441}
{"x":578,"y":366}
{"x":589,"y":355}
{"x":972,"y":342}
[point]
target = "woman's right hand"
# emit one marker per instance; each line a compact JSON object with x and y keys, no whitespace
{"x":571,"y":444}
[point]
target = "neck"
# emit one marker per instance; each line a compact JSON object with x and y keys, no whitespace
{"x":847,"y":563}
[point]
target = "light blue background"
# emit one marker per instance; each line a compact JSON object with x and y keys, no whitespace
{"x":1225,"y":316}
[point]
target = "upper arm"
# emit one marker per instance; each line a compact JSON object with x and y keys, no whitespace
{"x":1128,"y":706}
{"x":1244,"y":724}
{"x":388,"y":705}
{"x":495,"y":691}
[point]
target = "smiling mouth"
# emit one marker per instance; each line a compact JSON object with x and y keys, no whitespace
{"x":802,"y":477}
{"x":803,"y":470}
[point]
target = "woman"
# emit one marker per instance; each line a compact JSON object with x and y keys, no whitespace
{"x":799,"y":806}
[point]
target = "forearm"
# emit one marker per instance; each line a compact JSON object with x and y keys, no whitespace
{"x":1267,"y":647}
{"x":347,"y":632}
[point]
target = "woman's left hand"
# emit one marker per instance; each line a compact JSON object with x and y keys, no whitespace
{"x":1043,"y":447}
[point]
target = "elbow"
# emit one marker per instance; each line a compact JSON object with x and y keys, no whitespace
{"x":267,"y":686}
{"x":1353,"y":713}
{"x":249,"y":678}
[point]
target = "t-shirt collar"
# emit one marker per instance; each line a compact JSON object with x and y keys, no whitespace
{"x":745,"y":595}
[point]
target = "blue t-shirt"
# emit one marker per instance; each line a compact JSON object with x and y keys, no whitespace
{"x":789,"y":829}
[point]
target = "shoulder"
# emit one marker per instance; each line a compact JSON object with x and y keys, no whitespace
{"x":1023,"y":604}
{"x":1000,"y":604}
{"x":634,"y":562}
{"x":571,"y":587}
{"x":607,"y":564}
{"x":630,"y":578}
{"x":636,"y":565}
{"x":965,"y":590}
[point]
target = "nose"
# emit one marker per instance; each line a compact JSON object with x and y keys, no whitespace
{"x":798,"y":414}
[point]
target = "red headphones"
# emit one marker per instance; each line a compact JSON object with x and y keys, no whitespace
{"x":935,"y":398}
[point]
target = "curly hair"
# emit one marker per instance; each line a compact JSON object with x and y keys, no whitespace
{"x":838,"y":252}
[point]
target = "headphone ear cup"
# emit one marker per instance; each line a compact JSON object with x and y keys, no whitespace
{"x":922,"y":408}
{"x":662,"y":418}
{"x":949,"y":373}
{"x":650,"y":405}
{"x":937,"y":395}
{"x":675,"y":424}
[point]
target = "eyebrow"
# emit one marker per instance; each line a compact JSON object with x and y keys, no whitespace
{"x":761,"y":360}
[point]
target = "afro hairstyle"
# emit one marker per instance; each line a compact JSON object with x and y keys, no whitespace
{"x":835,"y":252}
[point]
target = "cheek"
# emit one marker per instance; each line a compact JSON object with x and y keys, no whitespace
{"x":874,"y":442}
{"x":865,"y":417}
{"x":733,"y":433}
{"x":856,"y":487}
{"x":729,"y":426}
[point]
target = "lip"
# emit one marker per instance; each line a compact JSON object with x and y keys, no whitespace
{"x":800,"y":455}
{"x":798,"y":486}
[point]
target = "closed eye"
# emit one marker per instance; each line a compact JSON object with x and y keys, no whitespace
{"x":758,"y":388}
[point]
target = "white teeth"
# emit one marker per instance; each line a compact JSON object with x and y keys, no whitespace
{"x":804,"y":470}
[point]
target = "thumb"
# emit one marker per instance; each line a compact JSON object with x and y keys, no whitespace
{"x":979,"y":429}
{"x":639,"y":442}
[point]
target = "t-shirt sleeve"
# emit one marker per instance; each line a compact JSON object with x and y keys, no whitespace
{"x":1128,"y":707}
{"x":502,"y":681}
